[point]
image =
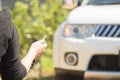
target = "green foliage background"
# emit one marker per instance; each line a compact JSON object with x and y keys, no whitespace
{"x":33,"y":20}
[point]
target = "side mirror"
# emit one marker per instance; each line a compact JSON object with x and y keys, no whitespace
{"x":70,"y":4}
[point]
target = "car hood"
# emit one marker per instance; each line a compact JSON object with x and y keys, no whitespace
{"x":100,"y":14}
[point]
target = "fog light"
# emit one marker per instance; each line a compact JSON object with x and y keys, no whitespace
{"x":71,"y":58}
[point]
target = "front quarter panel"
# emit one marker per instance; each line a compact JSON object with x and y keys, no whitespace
{"x":56,"y":45}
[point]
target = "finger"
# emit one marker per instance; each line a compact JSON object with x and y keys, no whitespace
{"x":44,"y":45}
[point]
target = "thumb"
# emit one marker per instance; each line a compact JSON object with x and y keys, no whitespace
{"x":44,"y":45}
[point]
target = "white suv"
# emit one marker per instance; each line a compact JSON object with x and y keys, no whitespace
{"x":87,"y":43}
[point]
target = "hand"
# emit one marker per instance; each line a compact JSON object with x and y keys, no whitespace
{"x":38,"y":47}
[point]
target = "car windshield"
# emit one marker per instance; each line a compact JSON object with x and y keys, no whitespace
{"x":103,"y":2}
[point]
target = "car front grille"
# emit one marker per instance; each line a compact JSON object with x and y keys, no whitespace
{"x":105,"y":63}
{"x":107,"y":31}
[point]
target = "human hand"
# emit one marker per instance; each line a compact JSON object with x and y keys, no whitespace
{"x":38,"y":47}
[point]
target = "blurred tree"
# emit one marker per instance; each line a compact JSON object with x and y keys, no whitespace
{"x":33,"y":20}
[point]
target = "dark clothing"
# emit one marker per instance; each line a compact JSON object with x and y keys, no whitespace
{"x":10,"y":63}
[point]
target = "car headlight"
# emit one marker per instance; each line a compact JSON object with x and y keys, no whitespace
{"x":78,"y":31}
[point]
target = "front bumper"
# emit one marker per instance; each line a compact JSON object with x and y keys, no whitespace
{"x":85,"y":50}
{"x":88,"y":75}
{"x":101,"y":75}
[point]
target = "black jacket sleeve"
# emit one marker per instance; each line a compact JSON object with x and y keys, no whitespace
{"x":10,"y":64}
